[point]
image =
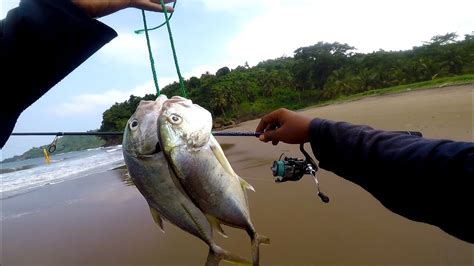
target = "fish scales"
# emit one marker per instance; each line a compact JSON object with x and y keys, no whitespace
{"x":202,"y":168}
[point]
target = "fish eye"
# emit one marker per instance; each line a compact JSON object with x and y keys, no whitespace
{"x":175,"y":119}
{"x":134,"y":125}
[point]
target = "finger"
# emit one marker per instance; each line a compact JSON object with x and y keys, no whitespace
{"x":268,"y":135}
{"x":164,"y":2}
{"x":151,"y":6}
{"x":267,"y":120}
{"x":265,"y":137}
{"x":275,"y":135}
{"x":275,"y":142}
{"x":262,"y":124}
{"x":268,"y":128}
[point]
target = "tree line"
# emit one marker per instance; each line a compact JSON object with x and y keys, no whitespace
{"x":314,"y":74}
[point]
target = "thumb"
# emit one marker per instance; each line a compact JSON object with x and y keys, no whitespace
{"x":270,"y":135}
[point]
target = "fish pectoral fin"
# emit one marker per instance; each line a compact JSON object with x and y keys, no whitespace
{"x":216,"y":224}
{"x":219,"y":153}
{"x":157,"y":218}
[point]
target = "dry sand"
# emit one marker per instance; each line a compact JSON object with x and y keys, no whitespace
{"x":98,"y":220}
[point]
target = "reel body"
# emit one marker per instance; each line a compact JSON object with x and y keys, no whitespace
{"x":293,"y":169}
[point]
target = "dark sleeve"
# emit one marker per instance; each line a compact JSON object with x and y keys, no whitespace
{"x":421,"y":179}
{"x":41,"y":42}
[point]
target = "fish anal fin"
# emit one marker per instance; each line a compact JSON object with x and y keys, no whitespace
{"x":216,"y":224}
{"x":245,"y":185}
{"x":157,"y":218}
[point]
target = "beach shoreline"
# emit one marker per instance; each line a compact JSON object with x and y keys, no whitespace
{"x":101,"y":220}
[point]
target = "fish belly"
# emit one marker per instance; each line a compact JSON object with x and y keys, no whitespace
{"x":155,"y":183}
{"x":211,"y":187}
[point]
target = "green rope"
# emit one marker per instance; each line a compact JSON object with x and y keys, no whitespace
{"x":181,"y":83}
{"x":157,"y":27}
{"x":152,"y":61}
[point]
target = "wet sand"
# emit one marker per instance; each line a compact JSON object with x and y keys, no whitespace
{"x":98,"y":220}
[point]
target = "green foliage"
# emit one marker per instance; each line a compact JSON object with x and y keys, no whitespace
{"x":222,"y":71}
{"x":318,"y":74}
{"x":315,"y":74}
{"x":115,"y":118}
{"x":435,"y":83}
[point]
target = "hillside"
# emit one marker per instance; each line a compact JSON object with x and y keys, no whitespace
{"x":316,"y":74}
{"x":64,"y":144}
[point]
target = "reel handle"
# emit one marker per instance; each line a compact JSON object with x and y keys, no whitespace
{"x":323,"y":197}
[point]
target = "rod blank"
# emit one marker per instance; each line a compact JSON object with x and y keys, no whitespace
{"x":215,"y":133}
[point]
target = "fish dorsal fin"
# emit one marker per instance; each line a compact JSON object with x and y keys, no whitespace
{"x":219,"y":153}
{"x":157,"y":218}
{"x":216,"y":224}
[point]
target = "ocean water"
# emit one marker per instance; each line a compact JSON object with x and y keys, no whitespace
{"x":28,"y":175}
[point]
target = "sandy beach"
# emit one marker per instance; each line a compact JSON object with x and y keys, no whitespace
{"x":99,"y":220}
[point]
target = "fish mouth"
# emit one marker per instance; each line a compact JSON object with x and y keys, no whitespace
{"x":157,"y":148}
{"x":152,"y":154}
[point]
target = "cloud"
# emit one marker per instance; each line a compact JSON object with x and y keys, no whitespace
{"x":202,"y":69}
{"x":280,"y":28}
{"x":96,"y":104}
{"x":93,"y":104}
{"x":127,"y":48}
{"x":6,"y":5}
{"x":232,"y":6}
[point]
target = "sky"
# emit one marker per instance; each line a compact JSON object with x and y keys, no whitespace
{"x":210,"y":34}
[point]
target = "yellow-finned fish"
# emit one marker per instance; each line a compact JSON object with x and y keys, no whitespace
{"x":149,"y":171}
{"x":202,"y":168}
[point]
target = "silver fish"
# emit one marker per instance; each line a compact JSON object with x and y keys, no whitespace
{"x":149,"y":171}
{"x":202,"y":168}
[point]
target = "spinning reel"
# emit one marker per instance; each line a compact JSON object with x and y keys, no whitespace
{"x":293,"y":169}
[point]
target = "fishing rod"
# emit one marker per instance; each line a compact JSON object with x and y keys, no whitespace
{"x":117,"y":133}
{"x":52,"y":146}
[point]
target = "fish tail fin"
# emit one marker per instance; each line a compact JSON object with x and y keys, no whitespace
{"x":216,"y":254}
{"x":256,"y":241}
